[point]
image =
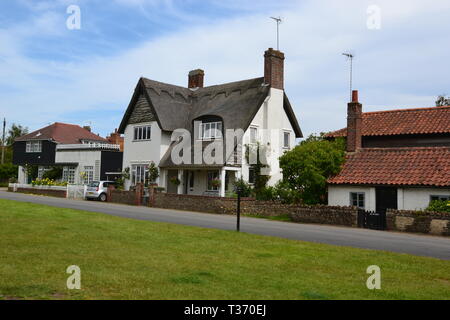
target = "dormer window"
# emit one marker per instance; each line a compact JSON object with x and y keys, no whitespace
{"x":210,"y":130}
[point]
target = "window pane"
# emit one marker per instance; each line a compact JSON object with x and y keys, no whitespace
{"x":286,"y":139}
{"x":207,"y":130}
{"x":149,"y":132}
{"x":219,"y":130}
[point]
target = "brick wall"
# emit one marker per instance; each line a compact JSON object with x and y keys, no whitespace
{"x":123,"y":197}
{"x":43,"y":192}
{"x":345,"y":216}
{"x":416,"y":221}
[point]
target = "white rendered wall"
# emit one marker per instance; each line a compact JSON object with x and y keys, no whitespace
{"x":145,"y":152}
{"x":90,"y":158}
{"x":272,"y":117}
{"x":418,"y":198}
{"x":340,"y":196}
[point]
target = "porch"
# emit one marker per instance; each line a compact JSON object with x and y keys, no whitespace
{"x":202,"y":182}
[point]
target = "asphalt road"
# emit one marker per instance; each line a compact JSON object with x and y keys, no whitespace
{"x":421,"y":245}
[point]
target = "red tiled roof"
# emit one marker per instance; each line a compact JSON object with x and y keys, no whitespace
{"x":424,"y":166}
{"x":62,"y":133}
{"x":403,"y":121}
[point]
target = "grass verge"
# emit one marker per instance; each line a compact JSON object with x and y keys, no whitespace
{"x":130,"y":259}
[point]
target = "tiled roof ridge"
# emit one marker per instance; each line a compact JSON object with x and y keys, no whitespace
{"x":407,"y":110}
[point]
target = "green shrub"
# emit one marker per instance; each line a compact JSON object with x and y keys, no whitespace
{"x":284,"y":193}
{"x":246,"y":189}
{"x":55,"y":173}
{"x":266,"y":194}
{"x":7,"y":171}
{"x":439,"y":206}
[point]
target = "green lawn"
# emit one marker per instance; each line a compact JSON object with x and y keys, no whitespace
{"x":130,"y":259}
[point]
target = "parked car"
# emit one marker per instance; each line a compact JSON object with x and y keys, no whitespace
{"x":97,"y":190}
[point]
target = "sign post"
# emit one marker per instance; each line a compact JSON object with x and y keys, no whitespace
{"x":238,"y":223}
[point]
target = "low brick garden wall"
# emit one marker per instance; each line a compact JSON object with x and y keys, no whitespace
{"x":123,"y":197}
{"x":42,"y":192}
{"x":344,"y":216}
{"x":420,"y":222}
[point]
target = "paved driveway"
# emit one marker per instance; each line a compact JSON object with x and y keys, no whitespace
{"x":421,"y":245}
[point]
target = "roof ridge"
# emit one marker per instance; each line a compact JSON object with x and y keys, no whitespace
{"x":408,"y":110}
{"x":404,"y":148}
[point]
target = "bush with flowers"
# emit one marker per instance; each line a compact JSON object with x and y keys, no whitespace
{"x":48,"y":182}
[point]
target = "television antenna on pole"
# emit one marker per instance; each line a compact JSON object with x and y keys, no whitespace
{"x":278,"y":20}
{"x":350,"y":57}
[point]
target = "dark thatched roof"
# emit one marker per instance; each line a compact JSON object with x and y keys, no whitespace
{"x":176,"y":107}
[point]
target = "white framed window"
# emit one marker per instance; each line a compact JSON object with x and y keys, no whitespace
{"x":210,"y":130}
{"x":358,"y":199}
{"x":88,"y":174}
{"x":439,"y":198}
{"x":142,"y":133}
{"x":69,"y":174}
{"x":139,"y":174}
{"x":253,"y":135}
{"x":33,"y":146}
{"x":287,"y":140}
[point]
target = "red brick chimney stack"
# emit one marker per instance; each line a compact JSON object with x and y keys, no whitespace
{"x":196,"y":78}
{"x":354,"y":123}
{"x":274,"y":68}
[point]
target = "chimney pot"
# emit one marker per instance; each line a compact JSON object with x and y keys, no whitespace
{"x":274,"y":68}
{"x":196,"y":78}
{"x":355,"y":96}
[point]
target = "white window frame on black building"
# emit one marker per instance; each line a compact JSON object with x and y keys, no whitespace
{"x":142,"y":133}
{"x":34,"y":146}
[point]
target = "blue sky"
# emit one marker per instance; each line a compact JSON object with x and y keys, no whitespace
{"x":49,"y":73}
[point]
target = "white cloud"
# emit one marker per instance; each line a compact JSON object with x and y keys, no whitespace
{"x":393,"y":68}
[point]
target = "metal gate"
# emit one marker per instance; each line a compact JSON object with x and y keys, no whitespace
{"x":372,"y":220}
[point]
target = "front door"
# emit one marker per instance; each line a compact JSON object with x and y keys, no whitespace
{"x":171,"y":186}
{"x":386,"y":198}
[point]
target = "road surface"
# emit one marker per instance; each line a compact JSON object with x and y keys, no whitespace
{"x":421,"y":245}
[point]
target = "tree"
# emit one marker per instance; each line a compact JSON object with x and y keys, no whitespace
{"x":307,"y":167}
{"x":14,"y":132}
{"x":442,"y":101}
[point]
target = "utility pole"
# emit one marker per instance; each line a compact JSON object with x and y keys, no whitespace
{"x":3,"y":141}
{"x":350,"y":57}
{"x":278,"y":20}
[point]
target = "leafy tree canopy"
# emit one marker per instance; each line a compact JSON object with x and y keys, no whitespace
{"x":307,"y":167}
{"x":14,"y":132}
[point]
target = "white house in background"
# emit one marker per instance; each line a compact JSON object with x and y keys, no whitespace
{"x":256,"y":105}
{"x":396,"y":159}
{"x":82,"y":155}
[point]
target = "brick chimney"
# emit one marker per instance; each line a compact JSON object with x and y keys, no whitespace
{"x":88,"y":128}
{"x":274,"y":68}
{"x":354,"y":123}
{"x":196,"y":78}
{"x":115,"y":138}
